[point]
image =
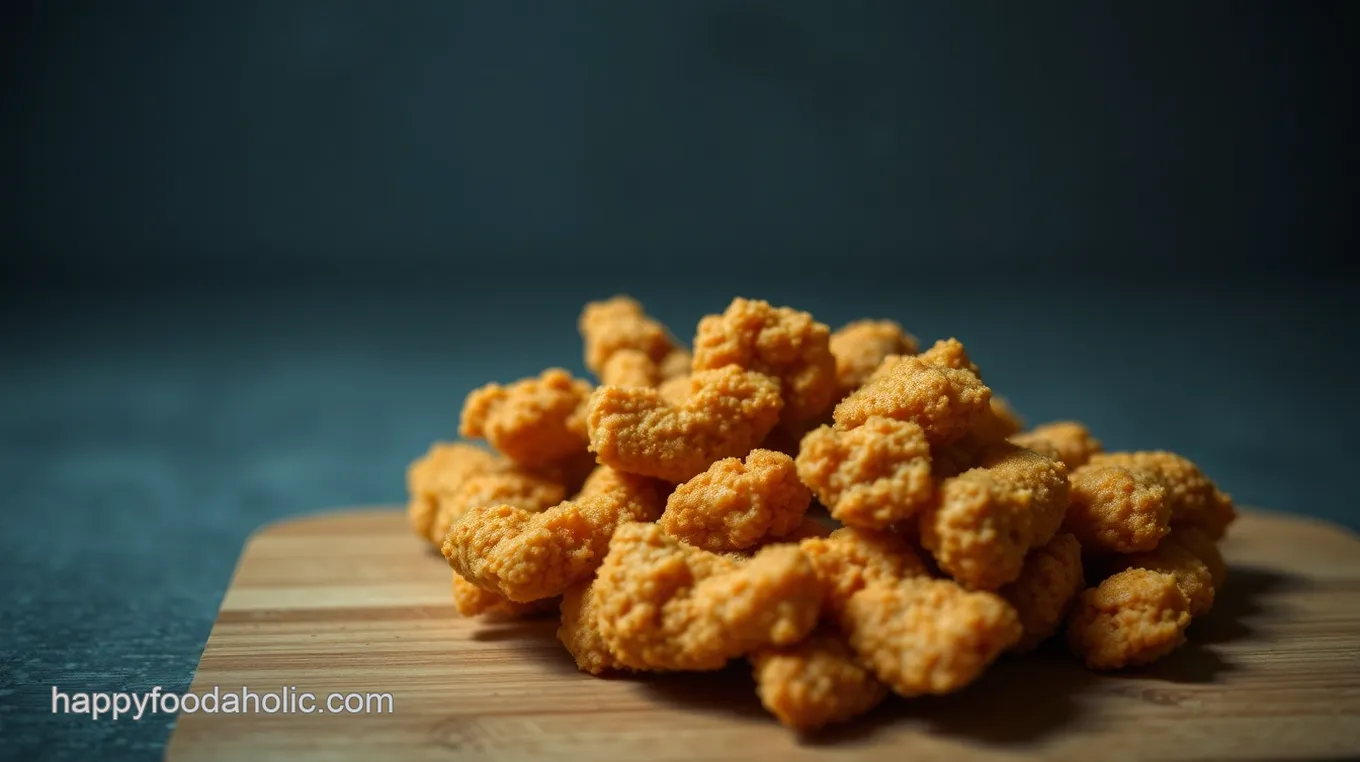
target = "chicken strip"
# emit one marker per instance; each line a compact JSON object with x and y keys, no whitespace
{"x":727,"y":413}
{"x":872,"y":476}
{"x":928,"y":636}
{"x":1194,"y":499}
{"x":815,"y":682}
{"x":735,"y":505}
{"x":1113,"y":509}
{"x":1043,"y":593}
{"x":778,"y":341}
{"x":850,"y":558}
{"x":984,"y":521}
{"x":665,"y":605}
{"x":437,"y":473}
{"x":1071,"y":441}
{"x":1134,"y":617}
{"x":944,"y":402}
{"x":471,"y":601}
{"x":619,"y":325}
{"x":580,"y":630}
{"x":535,"y":422}
{"x":527,"y":556}
{"x":859,"y":348}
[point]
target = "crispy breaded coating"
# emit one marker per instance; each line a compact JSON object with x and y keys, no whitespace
{"x":1043,"y":593}
{"x":985,"y":520}
{"x":734,"y":505}
{"x":928,"y":636}
{"x":874,"y":475}
{"x":618,"y":324}
{"x":471,"y":601}
{"x":437,"y":473}
{"x":1116,"y":510}
{"x":949,"y":353}
{"x":580,"y":630}
{"x":1194,"y":499}
{"x":665,"y":605}
{"x":505,"y":485}
{"x":527,"y":556}
{"x":859,"y":348}
{"x":726,"y":414}
{"x":1071,"y":441}
{"x":1134,"y":617}
{"x":944,"y":402}
{"x":1175,"y":556}
{"x":1000,"y":421}
{"x":535,"y":422}
{"x":780,"y":342}
{"x":850,"y":558}
{"x":629,"y":367}
{"x":1204,"y":547}
{"x":814,"y":682}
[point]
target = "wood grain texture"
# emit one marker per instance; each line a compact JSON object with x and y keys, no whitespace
{"x":351,"y":601}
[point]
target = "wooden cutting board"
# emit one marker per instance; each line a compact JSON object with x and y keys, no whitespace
{"x":352,"y":602}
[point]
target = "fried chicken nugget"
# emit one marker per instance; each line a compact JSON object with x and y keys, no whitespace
{"x":527,"y":556}
{"x":850,"y":558}
{"x":619,"y":325}
{"x":859,"y":348}
{"x":580,"y":630}
{"x":439,"y":472}
{"x":945,"y":402}
{"x":780,"y":342}
{"x":1194,"y":499}
{"x":814,"y":682}
{"x":665,"y":605}
{"x":873,"y":475}
{"x":535,"y":422}
{"x":1114,"y":509}
{"x":1133,"y":617}
{"x":1043,"y":593}
{"x":928,"y":636}
{"x":1069,"y":440}
{"x":726,"y":414}
{"x":1190,"y":556}
{"x":984,"y":521}
{"x":502,"y":485}
{"x":735,"y":505}
{"x":471,"y":601}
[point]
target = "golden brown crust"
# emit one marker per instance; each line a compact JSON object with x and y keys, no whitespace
{"x":874,"y":475}
{"x":859,"y":348}
{"x":949,"y":353}
{"x":780,"y":342}
{"x":502,"y":486}
{"x":1071,"y":441}
{"x":665,"y":605}
{"x":580,"y":630}
{"x":1177,"y":556}
{"x":726,"y":414}
{"x":1114,"y":509}
{"x":850,"y":558}
{"x":928,"y":636}
{"x":1133,"y":617}
{"x":735,"y":505}
{"x":471,"y":601}
{"x":437,"y":473}
{"x":535,"y":422}
{"x":815,"y":682}
{"x":945,"y":402}
{"x":1043,"y":593}
{"x":1194,"y":499}
{"x":619,"y":324}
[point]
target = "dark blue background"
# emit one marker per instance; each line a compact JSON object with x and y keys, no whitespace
{"x":255,"y":253}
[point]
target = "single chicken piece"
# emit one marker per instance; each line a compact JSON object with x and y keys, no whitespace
{"x":871,"y":476}
{"x":471,"y":601}
{"x":619,"y":325}
{"x":928,"y":636}
{"x":727,"y":413}
{"x":535,"y":422}
{"x":944,"y":402}
{"x":503,"y":485}
{"x":437,"y":473}
{"x":580,"y":630}
{"x":735,"y":505}
{"x":815,"y":682}
{"x":1134,"y":617}
{"x":859,"y":348}
{"x":1043,"y":593}
{"x":1114,"y":509}
{"x":1069,"y":440}
{"x":1179,"y":555}
{"x":780,"y":342}
{"x":986,"y":520}
{"x":527,"y":556}
{"x":850,"y":558}
{"x":665,"y":605}
{"x":1194,"y":499}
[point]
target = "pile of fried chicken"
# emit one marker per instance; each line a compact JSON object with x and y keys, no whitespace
{"x":665,"y":513}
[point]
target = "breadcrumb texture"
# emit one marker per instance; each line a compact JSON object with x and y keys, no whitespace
{"x":1113,"y":509}
{"x":437,"y":473}
{"x":1195,"y":500}
{"x":851,"y":558}
{"x":1000,"y":421}
{"x":949,"y":353}
{"x":535,"y":422}
{"x":928,"y":636}
{"x":527,"y":556}
{"x":1176,"y":555}
{"x":859,"y":348}
{"x":471,"y":601}
{"x":1048,"y":583}
{"x":781,"y":342}
{"x":620,"y":324}
{"x":872,"y":476}
{"x":665,"y":605}
{"x":734,"y":505}
{"x":1133,"y":617}
{"x":815,"y":682}
{"x":727,"y":413}
{"x":580,"y":630}
{"x":987,"y":519}
{"x":506,"y":485}
{"x":945,"y":402}
{"x":1071,"y":441}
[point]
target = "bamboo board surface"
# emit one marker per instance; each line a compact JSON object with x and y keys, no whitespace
{"x":352,"y":602}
